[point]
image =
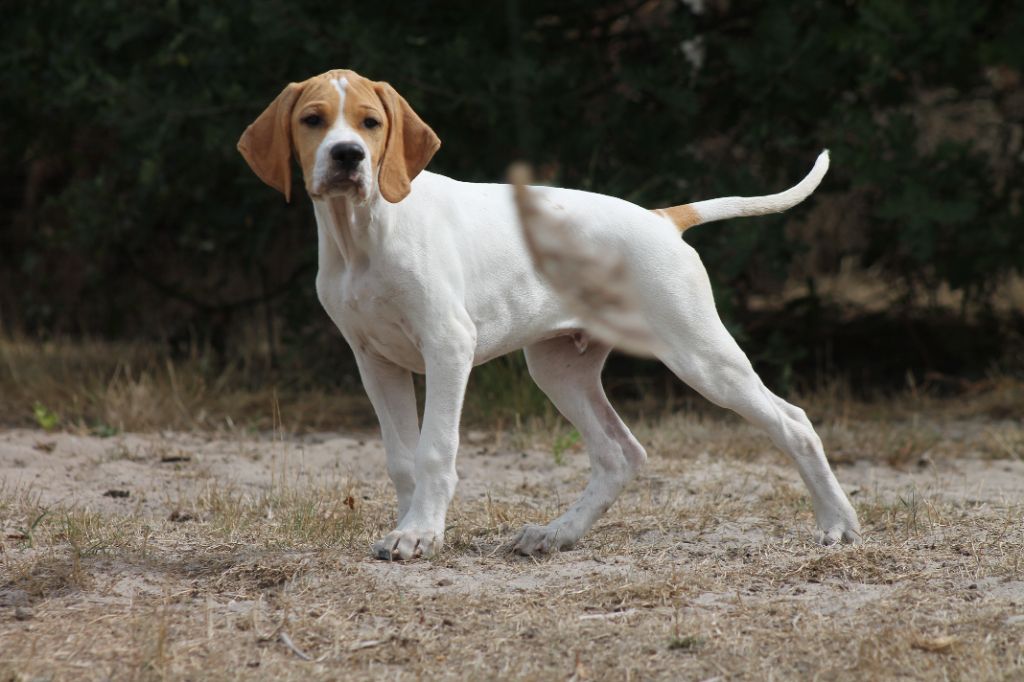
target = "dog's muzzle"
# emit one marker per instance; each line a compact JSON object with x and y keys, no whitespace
{"x":344,"y":174}
{"x":347,"y":156}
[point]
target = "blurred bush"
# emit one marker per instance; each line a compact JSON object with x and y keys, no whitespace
{"x":128,"y":213}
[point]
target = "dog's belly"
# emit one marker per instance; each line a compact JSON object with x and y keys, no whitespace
{"x":506,"y":333}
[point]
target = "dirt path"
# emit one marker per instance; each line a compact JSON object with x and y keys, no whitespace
{"x":185,"y":555}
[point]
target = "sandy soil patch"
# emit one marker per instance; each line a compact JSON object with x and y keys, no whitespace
{"x":188,"y":555}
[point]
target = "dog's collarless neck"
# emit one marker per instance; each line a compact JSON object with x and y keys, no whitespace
{"x":347,"y":226}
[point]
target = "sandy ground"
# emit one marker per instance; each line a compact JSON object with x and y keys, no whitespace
{"x":183,"y":555}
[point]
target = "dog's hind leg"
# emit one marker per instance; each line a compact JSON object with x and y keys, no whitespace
{"x":572,"y":380}
{"x":713,"y":364}
{"x":658,"y":300}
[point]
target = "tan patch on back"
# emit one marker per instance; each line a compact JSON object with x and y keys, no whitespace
{"x":683,"y":216}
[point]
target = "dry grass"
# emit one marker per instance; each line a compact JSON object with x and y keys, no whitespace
{"x":239,"y":545}
{"x":104,"y":387}
{"x":237,"y":556}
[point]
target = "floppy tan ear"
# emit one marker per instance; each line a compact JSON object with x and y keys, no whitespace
{"x":266,"y":145}
{"x":409,"y":147}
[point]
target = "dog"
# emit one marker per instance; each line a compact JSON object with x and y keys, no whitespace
{"x":423,"y":273}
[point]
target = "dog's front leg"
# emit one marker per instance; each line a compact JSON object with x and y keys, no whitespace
{"x":390,"y":390}
{"x":421,"y":531}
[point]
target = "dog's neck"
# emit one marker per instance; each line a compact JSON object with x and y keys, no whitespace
{"x":347,"y":229}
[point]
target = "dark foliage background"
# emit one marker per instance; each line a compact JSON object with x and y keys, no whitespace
{"x":127,"y":213}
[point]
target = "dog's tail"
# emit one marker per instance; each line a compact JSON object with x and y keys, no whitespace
{"x":686,"y":216}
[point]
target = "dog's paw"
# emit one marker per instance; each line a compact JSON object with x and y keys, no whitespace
{"x":401,"y":545}
{"x":839,"y":525}
{"x":535,"y":540}
{"x":839,"y":534}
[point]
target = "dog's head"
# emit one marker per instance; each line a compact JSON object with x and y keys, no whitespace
{"x":349,"y":134}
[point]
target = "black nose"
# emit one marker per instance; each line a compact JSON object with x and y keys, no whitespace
{"x":347,"y":155}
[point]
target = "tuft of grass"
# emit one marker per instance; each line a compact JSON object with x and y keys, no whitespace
{"x":28,"y":533}
{"x":46,"y":418}
{"x":566,"y":441}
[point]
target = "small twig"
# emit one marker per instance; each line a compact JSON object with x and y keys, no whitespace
{"x":358,"y":646}
{"x":604,"y":616}
{"x":287,"y":641}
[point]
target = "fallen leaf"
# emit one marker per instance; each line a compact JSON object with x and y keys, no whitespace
{"x":170,"y":459}
{"x":935,"y":645}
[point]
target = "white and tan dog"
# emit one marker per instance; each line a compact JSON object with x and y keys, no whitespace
{"x":422,"y":273}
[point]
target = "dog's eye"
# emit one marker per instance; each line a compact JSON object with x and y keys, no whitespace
{"x":312,"y":120}
{"x":371,"y":123}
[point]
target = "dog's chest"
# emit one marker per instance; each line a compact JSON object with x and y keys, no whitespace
{"x":371,"y":315}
